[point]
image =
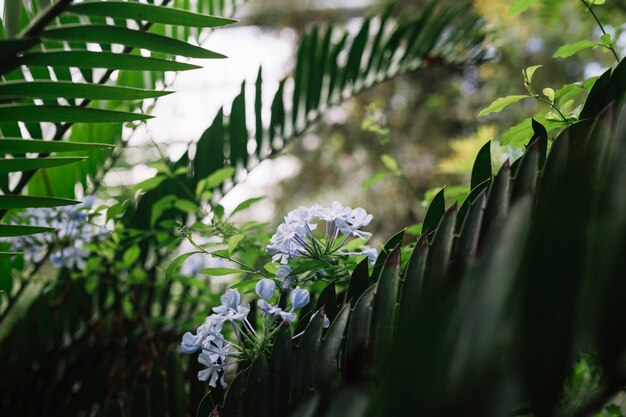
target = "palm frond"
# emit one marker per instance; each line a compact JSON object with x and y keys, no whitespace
{"x":57,"y":62}
{"x":333,"y":64}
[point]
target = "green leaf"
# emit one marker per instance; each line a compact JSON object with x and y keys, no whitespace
{"x":131,"y":255}
{"x":573,"y":48}
{"x":246,"y":204}
{"x":223,"y":271}
{"x":58,"y":114}
{"x":186,"y":205}
{"x":233,"y":241}
{"x":29,"y":164}
{"x":106,"y":35}
{"x":106,"y":60}
{"x":218,"y":177}
{"x":17,"y":146}
{"x":359,"y":282}
{"x":12,"y":12}
{"x":158,"y":208}
{"x":481,"y":171}
{"x":147,"y":12}
{"x":7,"y":230}
{"x":307,"y":408}
{"x":390,"y":245}
{"x":520,"y":5}
{"x":176,"y":263}
{"x":501,"y":104}
{"x":280,"y":367}
{"x":379,"y":176}
{"x":384,"y":312}
{"x":438,"y":262}
{"x":529,"y":72}
{"x":358,"y":337}
{"x":9,"y":254}
{"x":522,"y":132}
{"x":390,"y":162}
{"x":606,"y":39}
{"x":328,"y":361}
{"x":10,"y":47}
{"x":413,"y":279}
{"x":435,"y":212}
{"x":67,"y":89}
{"x":350,"y":402}
{"x":19,"y":201}
{"x":305,"y":360}
{"x":150,"y":183}
{"x":549,"y":93}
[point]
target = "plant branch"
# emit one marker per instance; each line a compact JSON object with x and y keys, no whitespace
{"x":610,"y":46}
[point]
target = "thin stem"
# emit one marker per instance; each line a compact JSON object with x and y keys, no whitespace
{"x":588,"y":6}
{"x":552,"y":106}
{"x":218,"y":255}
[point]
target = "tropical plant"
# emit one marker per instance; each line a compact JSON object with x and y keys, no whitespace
{"x":110,"y":325}
{"x":489,"y":311}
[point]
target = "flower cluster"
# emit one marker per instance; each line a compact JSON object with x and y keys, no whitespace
{"x":295,"y":236}
{"x":72,"y":231}
{"x":217,"y":353}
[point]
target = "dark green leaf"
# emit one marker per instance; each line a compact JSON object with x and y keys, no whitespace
{"x":107,"y":60}
{"x":481,"y":171}
{"x":57,"y":114}
{"x":305,"y":359}
{"x":384,"y":253}
{"x":7,"y":230}
{"x":67,"y":89}
{"x":384,"y":313}
{"x":29,"y":164}
{"x":328,"y":361}
{"x":438,"y":262}
{"x":435,"y":212}
{"x":147,"y":12}
{"x":359,"y":281}
{"x":19,"y":201}
{"x":222,"y":271}
{"x":105,"y":34}
{"x":17,"y":146}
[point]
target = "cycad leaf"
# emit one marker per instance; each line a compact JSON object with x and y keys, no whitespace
{"x":9,"y":230}
{"x":19,"y":201}
{"x":17,"y":146}
{"x":29,"y":164}
{"x":70,"y":90}
{"x":106,"y":34}
{"x":147,"y":12}
{"x":56,"y":114}
{"x":106,"y":60}
{"x":10,"y":47}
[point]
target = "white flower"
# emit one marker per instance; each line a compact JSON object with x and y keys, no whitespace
{"x":332,"y":213}
{"x":211,"y":373}
{"x":231,"y":309}
{"x":295,"y":237}
{"x":299,"y":298}
{"x":265,"y":288}
{"x":357,"y":219}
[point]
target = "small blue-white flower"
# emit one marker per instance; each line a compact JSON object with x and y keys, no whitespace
{"x":211,"y":373}
{"x":231,"y":309}
{"x":295,"y":237}
{"x":299,"y":298}
{"x":272,"y":310}
{"x":265,"y":288}
{"x":283,"y":272}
